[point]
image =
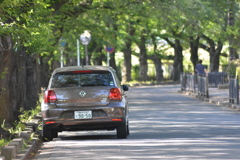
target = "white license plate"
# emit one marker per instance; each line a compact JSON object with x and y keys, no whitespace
{"x":83,"y":114}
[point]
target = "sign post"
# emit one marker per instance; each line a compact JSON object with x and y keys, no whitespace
{"x":62,"y":43}
{"x":109,"y":48}
{"x":85,"y":39}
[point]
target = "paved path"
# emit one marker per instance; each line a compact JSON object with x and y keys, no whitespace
{"x":163,"y":125}
{"x":217,"y":96}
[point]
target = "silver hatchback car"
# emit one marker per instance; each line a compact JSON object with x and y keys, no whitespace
{"x":84,"y":98}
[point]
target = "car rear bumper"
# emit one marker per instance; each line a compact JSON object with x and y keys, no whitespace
{"x":79,"y":125}
{"x":63,"y":119}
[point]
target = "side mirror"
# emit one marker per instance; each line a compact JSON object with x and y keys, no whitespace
{"x":125,"y":87}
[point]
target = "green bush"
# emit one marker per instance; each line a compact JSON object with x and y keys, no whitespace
{"x":135,"y":73}
{"x":232,"y":67}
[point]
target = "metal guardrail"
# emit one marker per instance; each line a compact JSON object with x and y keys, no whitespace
{"x":190,"y":85}
{"x":203,"y":86}
{"x":233,"y":90}
{"x":188,"y":82}
{"x":183,"y":81}
{"x":217,"y":78}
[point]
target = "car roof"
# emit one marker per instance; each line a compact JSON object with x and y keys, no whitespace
{"x":82,"y":68}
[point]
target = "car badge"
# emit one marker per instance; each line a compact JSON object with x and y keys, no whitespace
{"x":82,"y":93}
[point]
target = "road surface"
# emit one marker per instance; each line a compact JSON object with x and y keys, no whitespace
{"x":163,"y":125}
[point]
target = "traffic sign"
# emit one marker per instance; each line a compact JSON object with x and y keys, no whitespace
{"x":62,"y":42}
{"x":110,"y":48}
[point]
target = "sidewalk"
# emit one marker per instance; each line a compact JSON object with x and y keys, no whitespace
{"x":216,"y":96}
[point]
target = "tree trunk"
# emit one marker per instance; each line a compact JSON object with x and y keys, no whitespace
{"x":44,"y":71}
{"x":127,"y":52}
{"x":214,"y":52}
{"x":194,"y":44}
{"x":126,"y":70}
{"x":158,"y":67}
{"x":178,"y":60}
{"x":32,"y":82}
{"x":231,"y":21}
{"x":214,"y":57}
{"x":143,"y":65}
{"x":19,"y":81}
{"x":7,"y":81}
{"x":113,"y":62}
{"x":98,"y":57}
{"x":156,"y":60}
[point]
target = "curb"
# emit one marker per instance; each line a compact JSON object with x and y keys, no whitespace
{"x":195,"y":95}
{"x":26,"y":152}
{"x":15,"y":150}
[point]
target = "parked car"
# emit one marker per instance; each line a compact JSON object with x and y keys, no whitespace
{"x":84,"y":98}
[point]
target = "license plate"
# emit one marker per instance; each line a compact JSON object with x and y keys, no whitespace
{"x":83,"y":114}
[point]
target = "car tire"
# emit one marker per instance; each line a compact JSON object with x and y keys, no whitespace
{"x":122,"y":130}
{"x":55,"y":133}
{"x":47,"y":134}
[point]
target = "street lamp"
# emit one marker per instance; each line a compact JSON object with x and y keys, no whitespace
{"x":85,"y":39}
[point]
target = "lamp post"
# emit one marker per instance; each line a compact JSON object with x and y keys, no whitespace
{"x":78,"y":53}
{"x":85,"y":39}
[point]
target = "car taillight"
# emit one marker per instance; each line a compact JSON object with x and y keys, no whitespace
{"x":50,"y":96}
{"x":115,"y":94}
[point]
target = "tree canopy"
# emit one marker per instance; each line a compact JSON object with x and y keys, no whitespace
{"x":144,"y":28}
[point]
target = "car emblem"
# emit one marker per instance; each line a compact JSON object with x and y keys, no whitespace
{"x":82,"y":93}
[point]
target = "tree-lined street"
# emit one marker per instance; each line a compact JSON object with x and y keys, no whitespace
{"x":163,"y":125}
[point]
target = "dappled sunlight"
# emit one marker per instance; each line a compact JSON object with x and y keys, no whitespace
{"x":146,"y":149}
{"x":165,"y":125}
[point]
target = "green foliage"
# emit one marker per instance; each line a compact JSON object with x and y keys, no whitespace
{"x":38,"y":24}
{"x":27,"y":115}
{"x":18,"y":127}
{"x":135,"y":72}
{"x":3,"y":124}
{"x":232,"y":67}
{"x":4,"y":142}
{"x":188,"y":68}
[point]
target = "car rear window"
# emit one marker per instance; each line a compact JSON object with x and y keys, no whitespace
{"x":71,"y":79}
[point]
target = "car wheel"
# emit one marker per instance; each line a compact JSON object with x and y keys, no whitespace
{"x":47,"y":134}
{"x":122,"y":130}
{"x":127,"y":125}
{"x":128,"y":129}
{"x":55,"y":133}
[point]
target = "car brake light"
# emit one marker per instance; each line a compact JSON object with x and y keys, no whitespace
{"x":50,"y":122}
{"x":50,"y":96}
{"x":82,"y":71}
{"x":117,"y":120}
{"x":115,"y":94}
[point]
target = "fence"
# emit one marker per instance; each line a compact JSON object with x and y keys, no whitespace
{"x":188,"y":82}
{"x":203,"y":86}
{"x":217,"y":78}
{"x":183,"y":81}
{"x":233,"y":90}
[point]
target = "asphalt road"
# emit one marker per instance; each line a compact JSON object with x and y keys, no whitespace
{"x":163,"y":125}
